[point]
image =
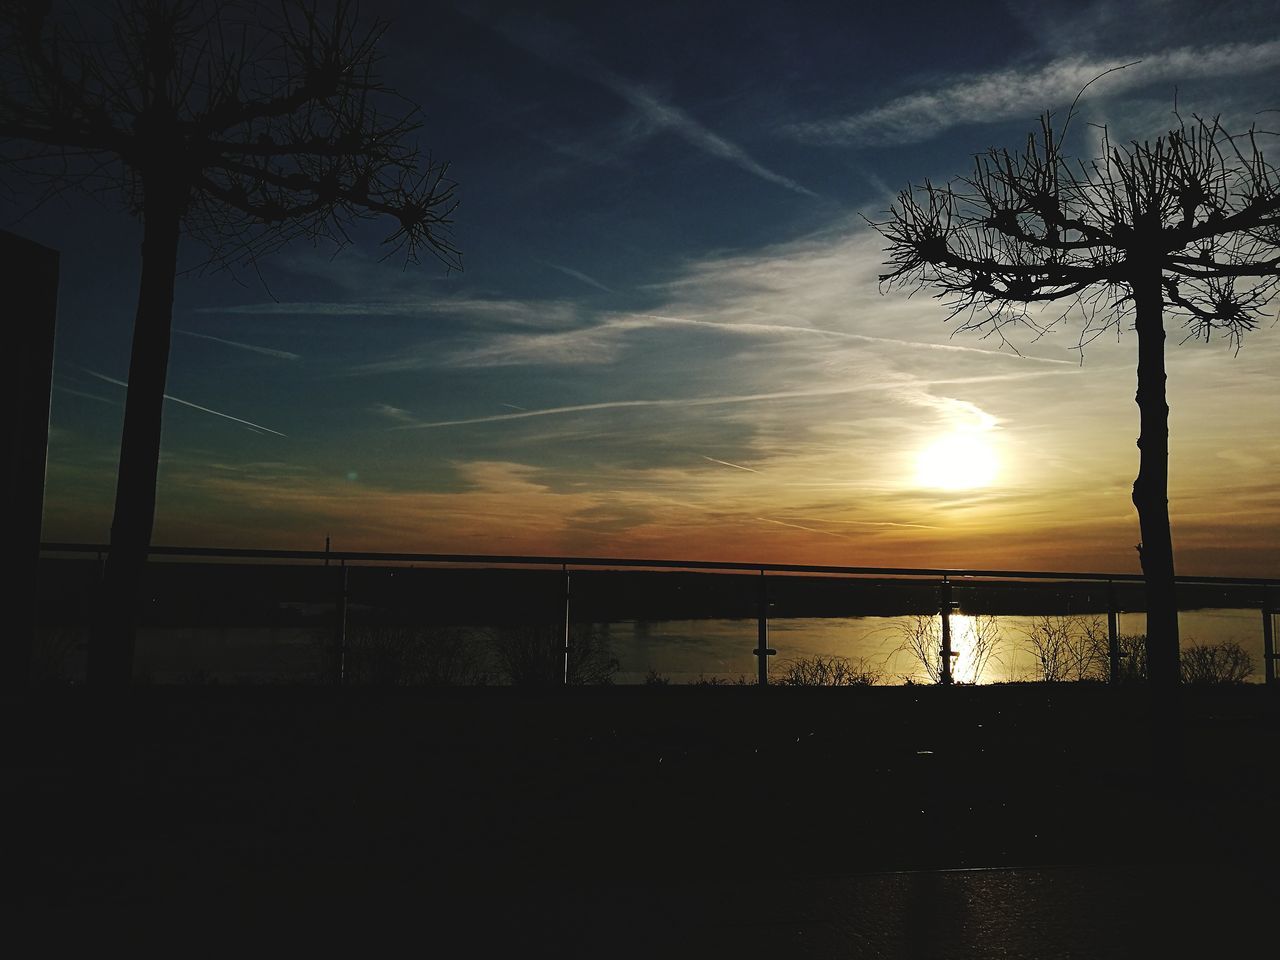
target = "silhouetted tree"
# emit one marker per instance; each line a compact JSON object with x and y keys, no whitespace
{"x":1185,"y":227}
{"x":243,"y":125}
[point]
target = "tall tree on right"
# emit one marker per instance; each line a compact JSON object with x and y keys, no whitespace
{"x":1181,"y":230}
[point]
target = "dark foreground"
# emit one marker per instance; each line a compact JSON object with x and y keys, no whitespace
{"x":648,"y":822}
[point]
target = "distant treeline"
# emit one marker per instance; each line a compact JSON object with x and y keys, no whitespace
{"x":241,"y":594}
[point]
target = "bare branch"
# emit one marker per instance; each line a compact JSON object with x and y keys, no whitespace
{"x":271,"y":121}
{"x":1034,"y":226}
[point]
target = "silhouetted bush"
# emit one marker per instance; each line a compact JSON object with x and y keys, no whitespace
{"x":415,"y":656}
{"x":534,"y":655}
{"x":1068,"y":647}
{"x":705,"y":681}
{"x":922,"y":639}
{"x":976,"y":643}
{"x":819,"y":671}
{"x":1224,"y":662}
{"x":655,"y":679}
{"x":981,"y":639}
{"x":1133,"y":658}
{"x":52,"y":655}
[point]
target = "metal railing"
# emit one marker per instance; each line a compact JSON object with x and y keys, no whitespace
{"x":946,"y":579}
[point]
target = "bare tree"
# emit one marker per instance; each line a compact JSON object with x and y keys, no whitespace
{"x":244,"y":125}
{"x":1185,"y":227}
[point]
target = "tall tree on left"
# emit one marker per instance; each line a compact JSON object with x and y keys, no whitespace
{"x":240,"y":125}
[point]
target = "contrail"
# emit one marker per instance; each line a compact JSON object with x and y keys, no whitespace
{"x":672,"y":402}
{"x":577,"y":275}
{"x":194,"y":406}
{"x":268,"y":351}
{"x":783,"y":523}
{"x":87,"y":396}
{"x":736,"y":466}
{"x":787,"y":328}
{"x":873,"y":523}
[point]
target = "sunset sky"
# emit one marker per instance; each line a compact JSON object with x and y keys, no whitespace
{"x":667,"y":340}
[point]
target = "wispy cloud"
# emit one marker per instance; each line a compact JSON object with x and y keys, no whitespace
{"x":251,"y":347}
{"x":396,"y":414}
{"x":257,"y":427}
{"x":1020,"y":92}
{"x":659,"y":402}
{"x":603,"y":341}
{"x":481,"y":311}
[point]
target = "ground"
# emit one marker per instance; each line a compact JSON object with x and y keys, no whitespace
{"x":915,"y":821}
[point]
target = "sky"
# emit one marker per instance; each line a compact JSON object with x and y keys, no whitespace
{"x":667,"y":339}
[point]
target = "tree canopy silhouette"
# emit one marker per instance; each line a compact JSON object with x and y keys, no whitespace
{"x":1182,"y":229}
{"x":241,"y":125}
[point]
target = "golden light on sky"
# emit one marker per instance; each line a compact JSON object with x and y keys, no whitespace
{"x":957,"y":461}
{"x":694,"y":358}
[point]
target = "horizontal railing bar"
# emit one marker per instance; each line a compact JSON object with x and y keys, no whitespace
{"x":473,"y":558}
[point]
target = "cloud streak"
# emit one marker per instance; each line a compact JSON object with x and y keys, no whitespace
{"x":257,"y":427}
{"x":629,"y":404}
{"x":577,"y":275}
{"x":667,"y":116}
{"x":726,"y":463}
{"x":797,"y":526}
{"x":658,"y":114}
{"x":1024,"y":93}
{"x":251,"y":347}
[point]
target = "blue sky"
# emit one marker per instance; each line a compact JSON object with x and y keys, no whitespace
{"x":667,"y":339}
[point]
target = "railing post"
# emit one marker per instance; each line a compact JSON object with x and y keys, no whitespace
{"x":1113,"y":633}
{"x":565,"y":568}
{"x":762,"y":651}
{"x":944,"y":675}
{"x":341,"y":626}
{"x":1268,"y":640}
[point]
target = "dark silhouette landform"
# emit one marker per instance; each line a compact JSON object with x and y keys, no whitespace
{"x":677,"y":821}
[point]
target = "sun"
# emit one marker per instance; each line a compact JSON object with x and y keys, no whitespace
{"x":958,"y":461}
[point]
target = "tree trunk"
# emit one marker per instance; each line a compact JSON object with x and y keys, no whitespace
{"x":1151,"y":488}
{"x":112,"y":641}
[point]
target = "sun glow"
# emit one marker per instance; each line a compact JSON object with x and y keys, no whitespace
{"x":959,"y":461}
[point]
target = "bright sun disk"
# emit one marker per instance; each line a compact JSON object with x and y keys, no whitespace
{"x":960,"y":461}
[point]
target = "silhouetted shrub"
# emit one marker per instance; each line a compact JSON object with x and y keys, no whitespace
{"x":819,"y":671}
{"x":1068,"y":647}
{"x":415,"y":656}
{"x":1133,"y":658}
{"x":1224,"y":662}
{"x":975,"y":643}
{"x":655,"y":679}
{"x":705,"y":681}
{"x":981,"y":639}
{"x":52,"y":655}
{"x":534,"y":655}
{"x":922,"y":639}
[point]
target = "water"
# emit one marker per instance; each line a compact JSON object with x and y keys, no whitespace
{"x":679,"y":651}
{"x":685,"y":651}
